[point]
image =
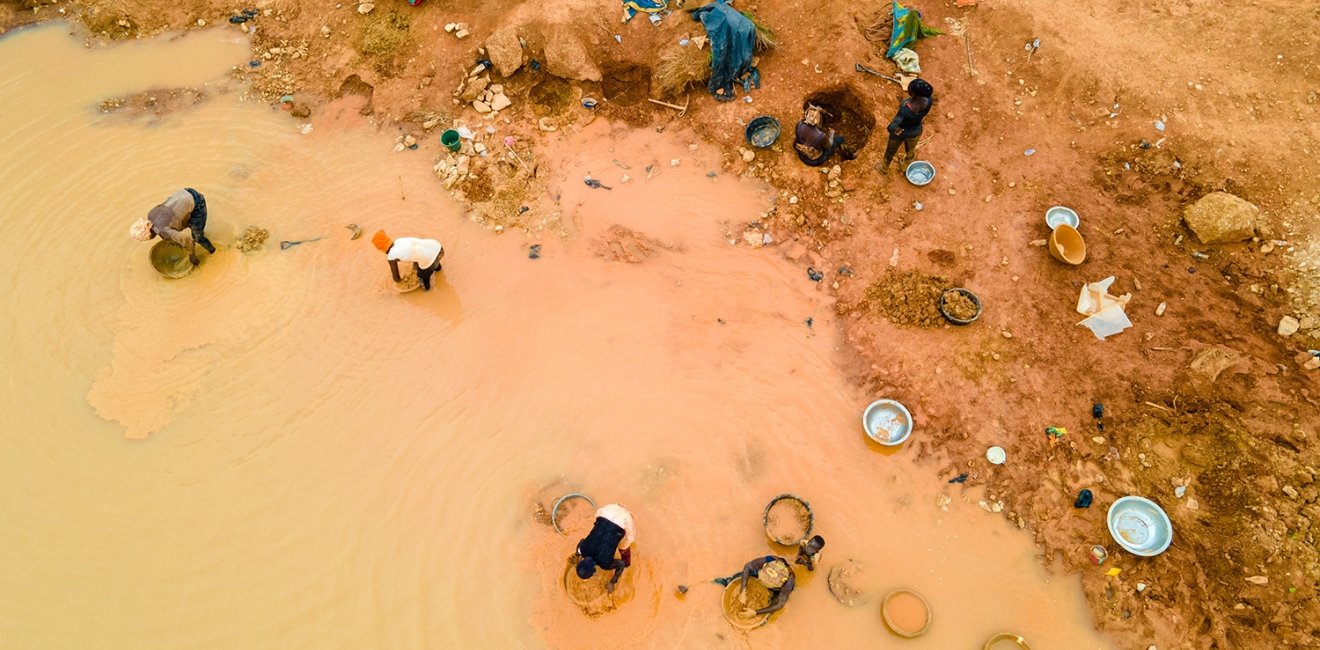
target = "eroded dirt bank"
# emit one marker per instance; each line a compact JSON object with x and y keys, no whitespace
{"x":1206,"y":397}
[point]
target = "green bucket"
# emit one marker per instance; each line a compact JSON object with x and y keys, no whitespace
{"x":450,"y":139}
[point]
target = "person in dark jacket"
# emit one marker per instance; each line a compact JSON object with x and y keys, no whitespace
{"x":905,"y":129}
{"x":813,"y":142}
{"x":614,"y":530}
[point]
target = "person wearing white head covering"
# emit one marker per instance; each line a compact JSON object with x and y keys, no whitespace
{"x":184,"y":208}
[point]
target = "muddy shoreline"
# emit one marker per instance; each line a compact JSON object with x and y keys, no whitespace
{"x":1236,"y":436}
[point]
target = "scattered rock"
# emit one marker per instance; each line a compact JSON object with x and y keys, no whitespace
{"x":566,"y":57}
{"x":365,"y":8}
{"x":1311,"y":364}
{"x":505,"y":51}
{"x":747,"y":154}
{"x":1221,"y":218}
{"x":675,"y":162}
{"x":1258,"y":580}
{"x":482,"y":107}
{"x":1159,"y":311}
{"x":500,"y":102}
{"x":942,"y":501}
{"x":1213,"y":361}
{"x":1288,"y":326}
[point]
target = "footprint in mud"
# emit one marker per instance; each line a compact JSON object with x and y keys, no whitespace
{"x":751,"y":463}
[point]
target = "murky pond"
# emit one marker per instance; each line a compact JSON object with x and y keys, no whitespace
{"x":279,"y":451}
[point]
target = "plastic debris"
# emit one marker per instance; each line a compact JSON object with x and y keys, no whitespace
{"x":816,"y":276}
{"x":996,"y":455}
{"x":1055,"y":432}
{"x":594,"y":184}
{"x":1180,"y":491}
{"x":1029,"y":152}
{"x":588,"y":102}
{"x":534,"y":252}
{"x":1113,"y":572}
{"x":810,"y":321}
{"x":1105,"y":315}
{"x":1159,"y":126}
{"x":1097,"y":410}
{"x":916,"y":205}
{"x":961,"y":478}
{"x":1098,"y":555}
{"x":1084,"y":499}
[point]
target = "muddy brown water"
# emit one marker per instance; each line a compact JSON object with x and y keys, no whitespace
{"x":281,"y":451}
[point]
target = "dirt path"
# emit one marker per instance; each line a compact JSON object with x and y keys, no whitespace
{"x":1206,"y":397}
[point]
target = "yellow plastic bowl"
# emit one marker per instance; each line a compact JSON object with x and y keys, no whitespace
{"x":1067,"y":246}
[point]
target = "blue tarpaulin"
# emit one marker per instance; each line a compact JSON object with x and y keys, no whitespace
{"x":732,"y":40}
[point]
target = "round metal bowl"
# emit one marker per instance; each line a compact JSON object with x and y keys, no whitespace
{"x":1005,"y":641}
{"x":170,"y":259}
{"x":970,"y":296}
{"x":762,"y":131}
{"x":920,"y":172}
{"x":554,"y":510}
{"x":1140,"y":526}
{"x":1059,"y":215}
{"x":887,"y":422}
{"x":802,"y":504}
{"x":893,"y":626}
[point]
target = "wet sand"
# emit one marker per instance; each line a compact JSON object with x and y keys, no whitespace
{"x":281,"y":451}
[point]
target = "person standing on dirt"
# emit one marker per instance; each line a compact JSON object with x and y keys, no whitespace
{"x":774,"y":573}
{"x":813,"y":143}
{"x":613,"y":532}
{"x":425,"y":254}
{"x":905,"y":129}
{"x":184,"y":207}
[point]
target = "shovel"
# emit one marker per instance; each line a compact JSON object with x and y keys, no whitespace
{"x":861,"y":68}
{"x":286,"y":245}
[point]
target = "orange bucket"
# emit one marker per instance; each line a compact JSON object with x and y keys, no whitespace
{"x":1067,"y":246}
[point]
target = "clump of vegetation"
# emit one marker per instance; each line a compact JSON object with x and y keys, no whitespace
{"x":680,"y":67}
{"x":765,"y":37}
{"x":384,"y":35}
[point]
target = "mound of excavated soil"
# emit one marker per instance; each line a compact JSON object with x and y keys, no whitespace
{"x":909,"y":298}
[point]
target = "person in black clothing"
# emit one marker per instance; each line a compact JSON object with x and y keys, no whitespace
{"x":815,"y":144}
{"x":905,"y":129}
{"x":613,"y":531}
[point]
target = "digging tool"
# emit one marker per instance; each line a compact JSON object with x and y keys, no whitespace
{"x":286,"y":245}
{"x":681,"y":109}
{"x":861,"y":68}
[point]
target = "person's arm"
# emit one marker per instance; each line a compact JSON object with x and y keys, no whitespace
{"x":781,"y":598}
{"x":394,"y":270}
{"x":181,"y":237}
{"x":896,"y":125}
{"x":754,"y":565}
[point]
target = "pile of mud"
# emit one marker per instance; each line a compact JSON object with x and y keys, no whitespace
{"x":252,"y":239}
{"x":907,"y":298}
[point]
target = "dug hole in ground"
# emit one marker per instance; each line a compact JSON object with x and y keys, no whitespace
{"x":1208,"y":399}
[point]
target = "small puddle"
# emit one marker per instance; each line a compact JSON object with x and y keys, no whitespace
{"x":280,"y":451}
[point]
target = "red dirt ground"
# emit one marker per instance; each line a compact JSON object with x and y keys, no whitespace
{"x":1236,"y":86}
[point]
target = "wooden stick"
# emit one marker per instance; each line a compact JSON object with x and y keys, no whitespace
{"x":518,"y":158}
{"x":967,"y":40}
{"x":1163,"y":349}
{"x":666,"y":104}
{"x":1162,"y":408}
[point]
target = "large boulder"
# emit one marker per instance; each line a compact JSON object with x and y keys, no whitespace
{"x":1221,"y":218}
{"x":566,"y":57}
{"x":505,"y":50}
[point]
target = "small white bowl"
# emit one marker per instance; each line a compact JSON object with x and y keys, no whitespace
{"x":887,"y":422}
{"x":1059,"y":215}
